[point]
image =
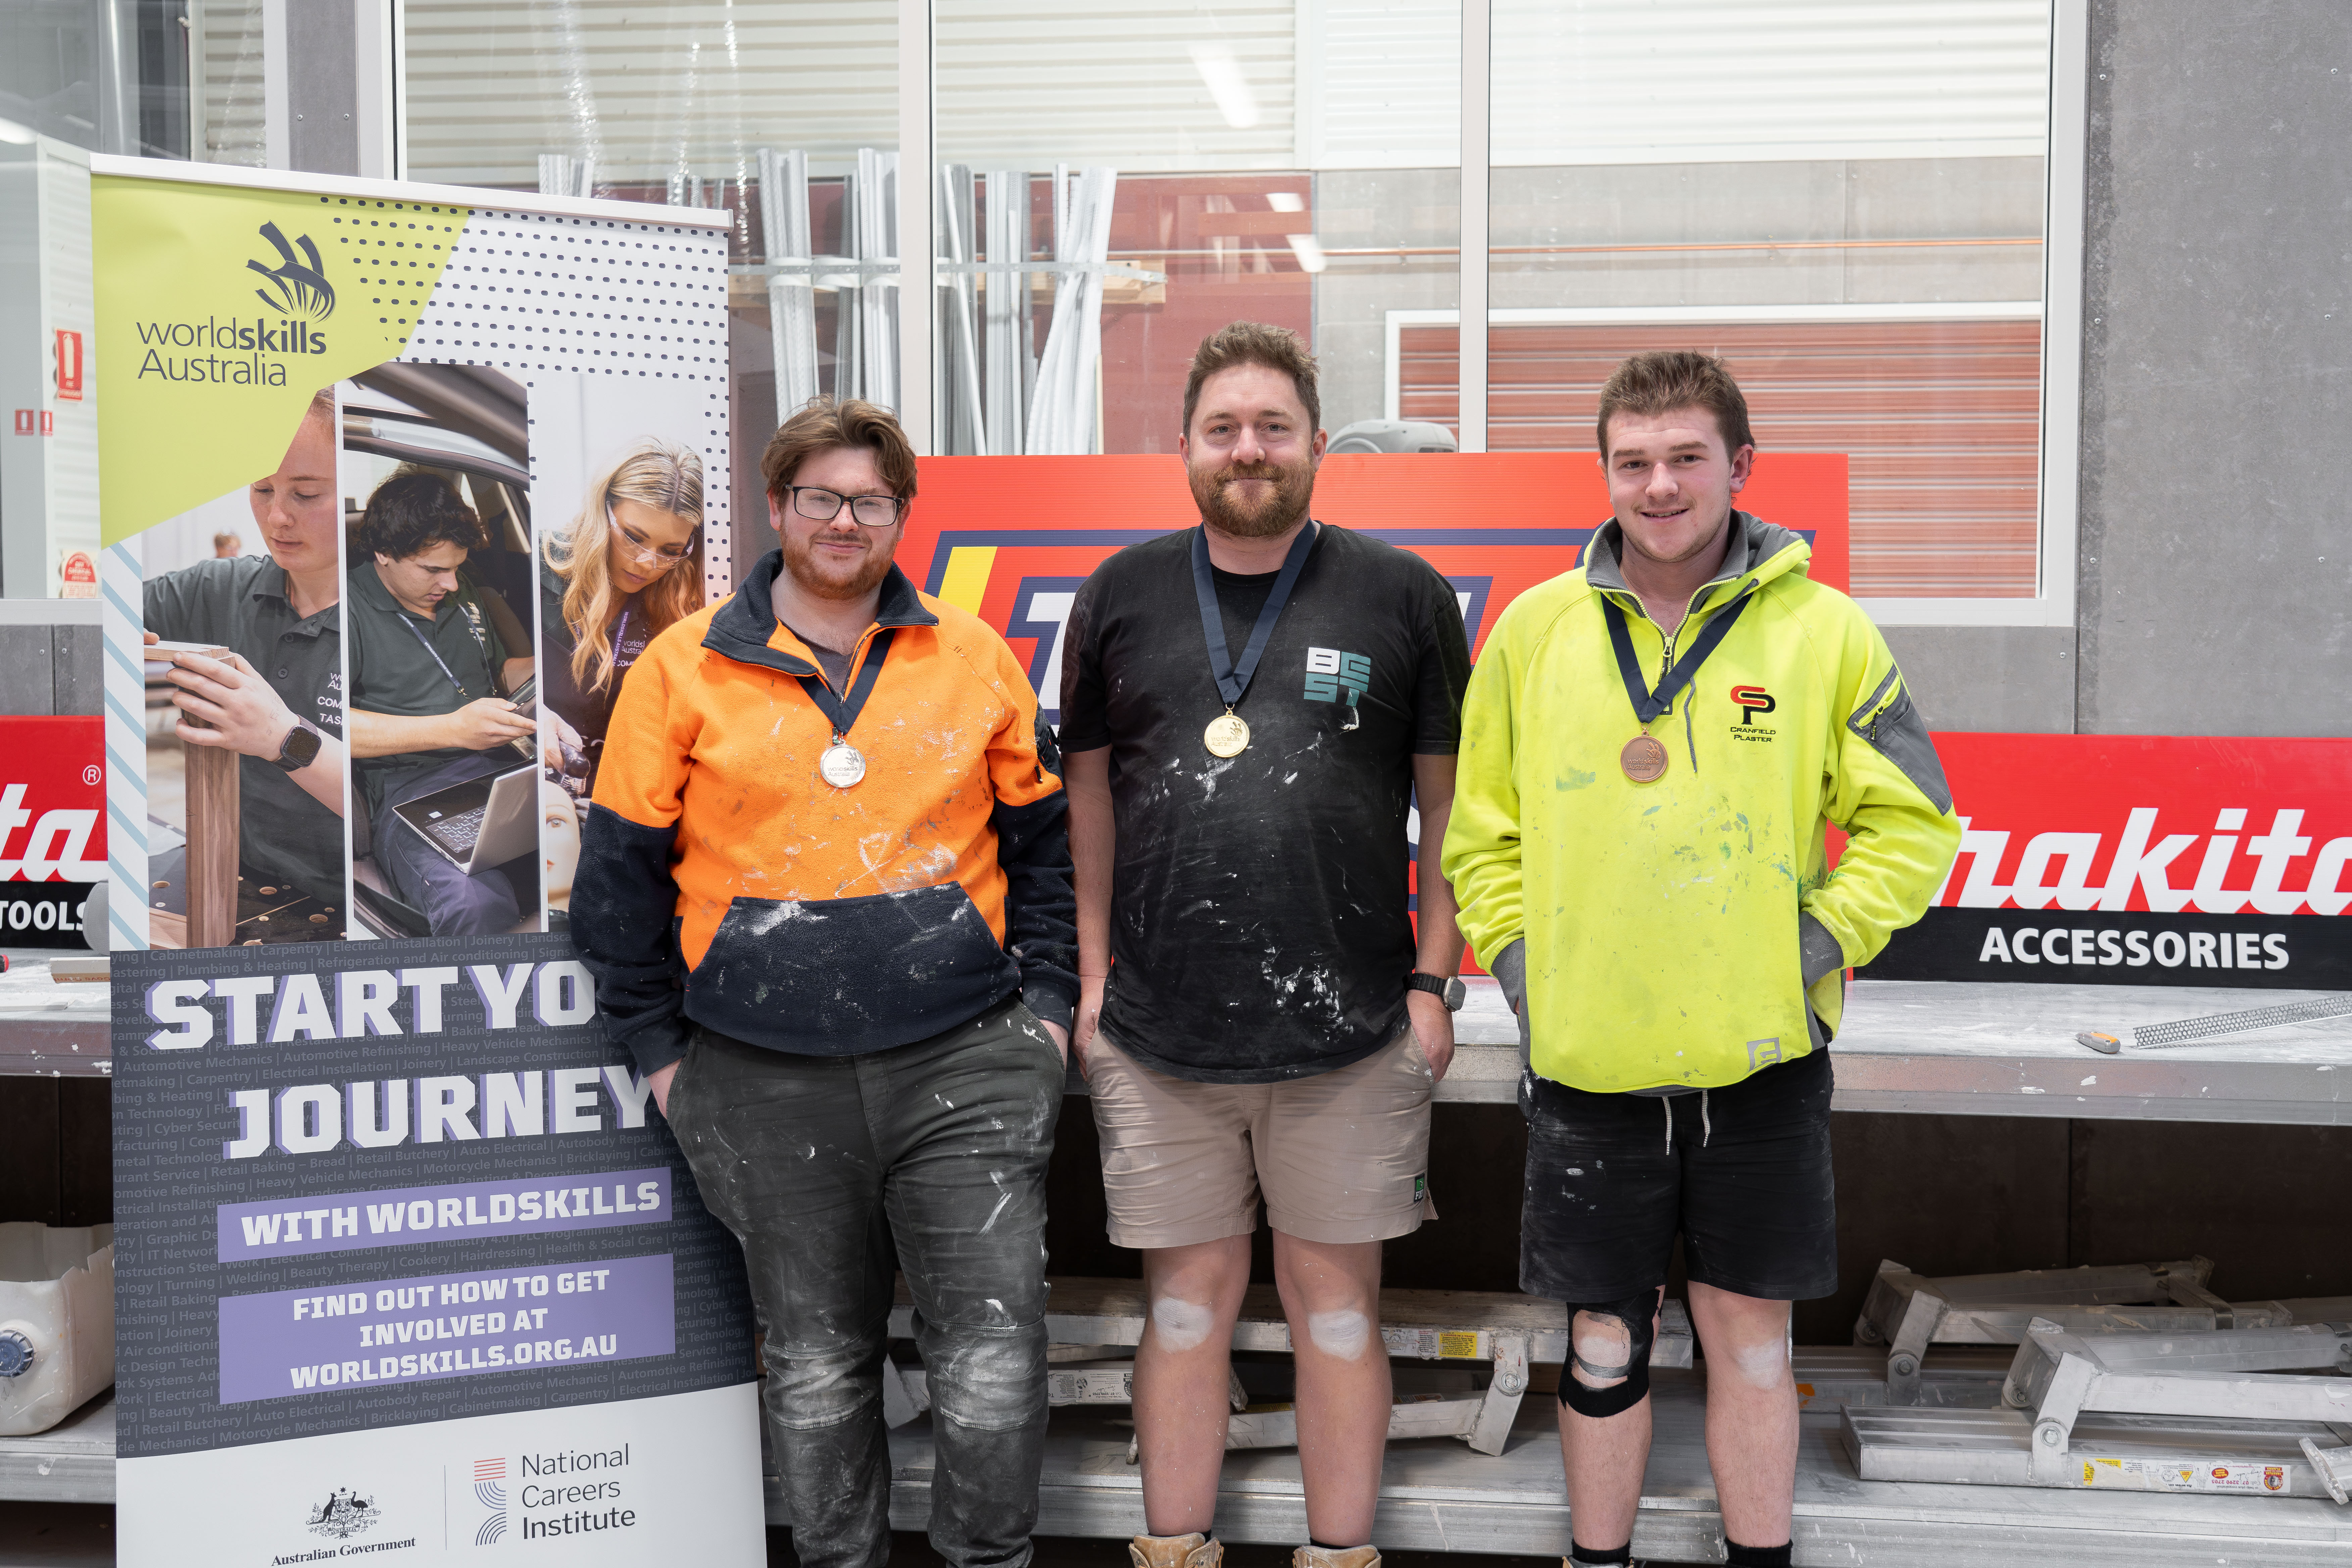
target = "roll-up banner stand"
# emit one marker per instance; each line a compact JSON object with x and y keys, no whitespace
{"x":408,"y":1266}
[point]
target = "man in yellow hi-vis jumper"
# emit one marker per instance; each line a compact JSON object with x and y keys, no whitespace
{"x":1652,"y":747}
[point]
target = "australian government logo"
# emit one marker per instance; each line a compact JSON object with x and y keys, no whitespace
{"x":343,"y":1519}
{"x":238,"y":351}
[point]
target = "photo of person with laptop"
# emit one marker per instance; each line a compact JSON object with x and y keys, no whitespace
{"x":629,"y":565}
{"x":443,"y":722}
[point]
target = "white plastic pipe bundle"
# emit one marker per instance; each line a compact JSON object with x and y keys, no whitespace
{"x":956,"y":376}
{"x":1006,"y":330}
{"x":784,"y":233}
{"x":876,"y":239}
{"x":1062,"y":413}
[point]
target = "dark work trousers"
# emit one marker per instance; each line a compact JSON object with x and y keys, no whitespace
{"x":453,"y":903}
{"x":833,"y":1171}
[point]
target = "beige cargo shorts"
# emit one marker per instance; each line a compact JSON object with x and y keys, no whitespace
{"x":1340,"y":1157}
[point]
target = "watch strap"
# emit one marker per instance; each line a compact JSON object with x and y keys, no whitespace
{"x":287,"y":747}
{"x":1447,"y":989}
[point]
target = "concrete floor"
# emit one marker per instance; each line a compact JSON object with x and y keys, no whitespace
{"x":81,"y":1535}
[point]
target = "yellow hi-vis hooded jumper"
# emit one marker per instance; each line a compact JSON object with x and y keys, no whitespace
{"x":1661,"y":919}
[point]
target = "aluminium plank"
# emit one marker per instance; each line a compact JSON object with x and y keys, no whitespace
{"x":1438,"y":1495}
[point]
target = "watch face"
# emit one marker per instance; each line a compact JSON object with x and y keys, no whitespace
{"x":1456,"y":992}
{"x":300,"y":750}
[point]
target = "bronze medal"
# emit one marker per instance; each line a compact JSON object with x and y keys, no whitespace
{"x":1228,"y":735}
{"x":1643,"y":759}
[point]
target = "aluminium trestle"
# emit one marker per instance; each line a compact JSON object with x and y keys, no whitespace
{"x":2266,"y":1412}
{"x":1907,"y":1313}
{"x":1087,"y":1321}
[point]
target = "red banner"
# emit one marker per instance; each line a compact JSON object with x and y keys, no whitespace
{"x":2141,"y":859}
{"x":1011,"y":538}
{"x":53,"y":800}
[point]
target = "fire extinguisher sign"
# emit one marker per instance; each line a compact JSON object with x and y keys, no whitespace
{"x":2141,"y":860}
{"x":68,"y":365}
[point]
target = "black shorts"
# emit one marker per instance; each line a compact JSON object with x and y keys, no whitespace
{"x":1746,"y":1180}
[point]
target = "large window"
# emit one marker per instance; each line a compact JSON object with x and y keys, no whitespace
{"x":1844,"y":198}
{"x":1294,"y":162}
{"x":1847,"y":199}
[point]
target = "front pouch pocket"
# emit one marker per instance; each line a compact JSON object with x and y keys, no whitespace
{"x":844,"y":976}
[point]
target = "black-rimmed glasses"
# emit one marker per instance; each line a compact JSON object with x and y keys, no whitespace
{"x":823,"y":506}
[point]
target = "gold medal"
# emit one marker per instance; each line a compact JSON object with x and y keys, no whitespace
{"x":1643,"y":759}
{"x":1228,"y":735}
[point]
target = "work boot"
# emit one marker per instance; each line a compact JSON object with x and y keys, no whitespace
{"x":1335,"y":1557}
{"x":1193,"y":1551}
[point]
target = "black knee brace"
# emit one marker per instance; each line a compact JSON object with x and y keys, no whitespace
{"x":1639,"y":1314}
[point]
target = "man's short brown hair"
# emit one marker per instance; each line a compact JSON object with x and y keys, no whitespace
{"x":824,"y":424}
{"x":1254,"y":342}
{"x":1667,"y":379}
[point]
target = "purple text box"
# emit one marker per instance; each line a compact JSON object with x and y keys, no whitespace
{"x":403,"y":1216}
{"x":378,"y":1331}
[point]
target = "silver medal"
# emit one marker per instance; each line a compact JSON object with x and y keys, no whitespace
{"x":842,"y":765}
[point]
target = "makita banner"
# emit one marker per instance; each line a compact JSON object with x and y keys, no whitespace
{"x":52,"y":827}
{"x":52,"y":800}
{"x":2141,"y":860}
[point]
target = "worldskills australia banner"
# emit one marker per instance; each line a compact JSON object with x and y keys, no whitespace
{"x":406,"y":1264}
{"x":2141,"y":860}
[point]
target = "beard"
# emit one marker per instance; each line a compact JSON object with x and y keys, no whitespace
{"x":820,"y":578}
{"x":1293,"y":491}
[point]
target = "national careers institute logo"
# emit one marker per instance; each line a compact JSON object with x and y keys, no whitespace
{"x":235,"y":350}
{"x":490,"y":1491}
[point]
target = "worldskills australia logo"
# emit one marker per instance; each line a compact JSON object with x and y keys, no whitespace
{"x":243,"y":351}
{"x":490,"y":1491}
{"x":298,"y":286}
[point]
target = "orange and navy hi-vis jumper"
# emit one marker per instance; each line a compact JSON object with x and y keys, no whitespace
{"x":723,"y":882}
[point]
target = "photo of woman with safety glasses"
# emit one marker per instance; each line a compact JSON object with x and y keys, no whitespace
{"x":630,"y":565}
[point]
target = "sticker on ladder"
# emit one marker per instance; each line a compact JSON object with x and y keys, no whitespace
{"x":2179,"y":1476}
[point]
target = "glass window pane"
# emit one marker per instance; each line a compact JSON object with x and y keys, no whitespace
{"x":786,"y":113}
{"x":1841,"y":197}
{"x":1294,"y":162}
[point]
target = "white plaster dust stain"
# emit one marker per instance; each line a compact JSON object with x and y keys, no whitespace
{"x":1180,"y":1324}
{"x":1340,"y":1334}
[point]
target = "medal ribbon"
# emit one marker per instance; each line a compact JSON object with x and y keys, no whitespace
{"x":843,"y":712}
{"x":1647,"y":704}
{"x":1234,"y":679}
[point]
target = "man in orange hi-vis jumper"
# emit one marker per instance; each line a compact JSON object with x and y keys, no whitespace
{"x":824,"y":888}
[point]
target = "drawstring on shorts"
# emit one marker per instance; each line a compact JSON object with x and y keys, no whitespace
{"x":1705,"y":1124}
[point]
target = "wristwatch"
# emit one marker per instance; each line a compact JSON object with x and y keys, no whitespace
{"x":300,"y":748}
{"x":1448,"y":989}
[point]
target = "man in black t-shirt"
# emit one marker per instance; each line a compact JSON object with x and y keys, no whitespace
{"x":1249,"y":709}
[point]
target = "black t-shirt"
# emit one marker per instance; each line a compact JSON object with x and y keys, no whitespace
{"x":1258,"y":921}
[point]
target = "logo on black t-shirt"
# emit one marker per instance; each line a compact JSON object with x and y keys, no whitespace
{"x":1336,"y":677}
